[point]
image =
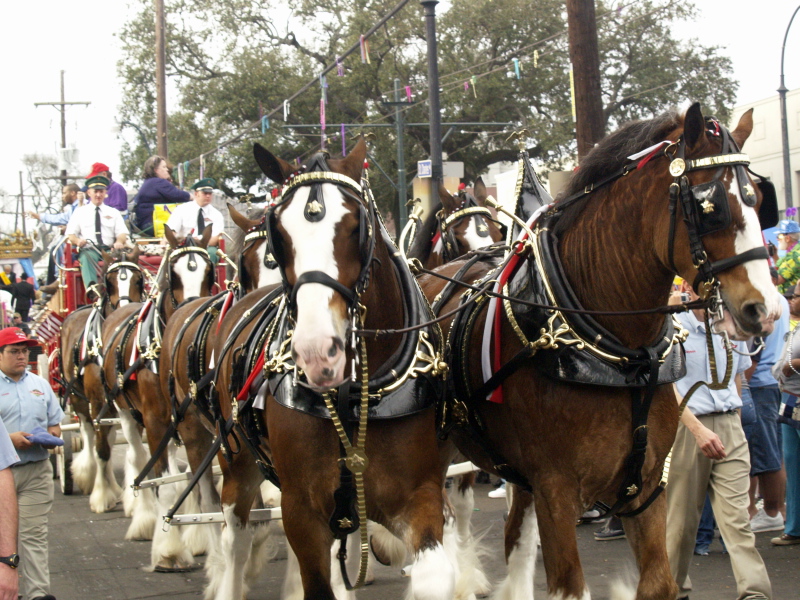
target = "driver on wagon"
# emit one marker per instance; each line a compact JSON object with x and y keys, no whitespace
{"x":94,"y":227}
{"x":193,"y":217}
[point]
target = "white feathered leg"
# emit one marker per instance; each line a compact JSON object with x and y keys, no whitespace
{"x":84,"y":467}
{"x":518,"y":584}
{"x":225,"y":567}
{"x":106,"y":492}
{"x":472,"y":580}
{"x":141,"y":505}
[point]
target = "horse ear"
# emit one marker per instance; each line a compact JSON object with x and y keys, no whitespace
{"x":694,"y":125}
{"x":107,"y":258}
{"x":134,"y":255}
{"x":241,"y":221}
{"x":480,"y":192}
{"x":273,"y":167}
{"x":448,"y":200}
{"x":353,"y":163}
{"x":171,"y":239}
{"x":203,"y":243}
{"x":744,"y":128}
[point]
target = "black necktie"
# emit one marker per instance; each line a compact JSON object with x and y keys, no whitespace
{"x":201,"y":222}
{"x":97,"y":229}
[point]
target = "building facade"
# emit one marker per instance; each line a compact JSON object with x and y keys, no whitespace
{"x":765,"y":146}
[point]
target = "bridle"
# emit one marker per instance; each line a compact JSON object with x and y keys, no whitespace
{"x":705,"y":206}
{"x":125,"y":268}
{"x":317,"y":173}
{"x":469,"y":208}
{"x":188,"y":247}
{"x":259,"y":232}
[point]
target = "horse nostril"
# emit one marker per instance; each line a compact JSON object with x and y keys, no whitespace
{"x":327,"y":373}
{"x":754,"y":312}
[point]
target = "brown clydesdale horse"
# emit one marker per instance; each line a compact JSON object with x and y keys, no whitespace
{"x":458,"y":224}
{"x":186,"y":355}
{"x":130,"y":342}
{"x":570,"y":441}
{"x":328,"y":242}
{"x":123,"y":282}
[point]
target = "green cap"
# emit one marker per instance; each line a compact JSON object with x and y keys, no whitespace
{"x":98,"y":181}
{"x":205,"y":185}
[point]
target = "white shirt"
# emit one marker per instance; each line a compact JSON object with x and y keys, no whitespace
{"x":82,"y":221}
{"x":183,"y":219}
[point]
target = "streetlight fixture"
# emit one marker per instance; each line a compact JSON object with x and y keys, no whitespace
{"x":787,"y":171}
{"x":121,"y":124}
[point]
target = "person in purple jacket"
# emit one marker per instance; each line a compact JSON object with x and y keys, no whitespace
{"x":156,"y":189}
{"x":117,"y":196}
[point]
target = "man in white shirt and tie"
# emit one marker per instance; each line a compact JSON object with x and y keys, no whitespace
{"x":95,"y":227}
{"x":191,"y":218}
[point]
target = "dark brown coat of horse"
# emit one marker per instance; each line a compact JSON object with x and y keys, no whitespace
{"x":570,"y":441}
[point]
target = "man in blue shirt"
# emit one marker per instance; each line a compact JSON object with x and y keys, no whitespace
{"x":27,"y":402}
{"x":764,"y":437}
{"x":71,"y":199}
{"x":9,"y":581}
{"x":710,"y":456}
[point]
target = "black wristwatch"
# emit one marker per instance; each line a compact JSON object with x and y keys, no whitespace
{"x":12,"y":561}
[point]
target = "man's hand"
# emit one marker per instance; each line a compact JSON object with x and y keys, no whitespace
{"x":33,"y":215}
{"x":118,"y":246}
{"x":709,"y":443}
{"x":9,"y":583}
{"x":82,"y":242}
{"x":54,"y":430}
{"x":20,"y":440}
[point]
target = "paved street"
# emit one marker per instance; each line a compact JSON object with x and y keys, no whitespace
{"x":89,"y":560}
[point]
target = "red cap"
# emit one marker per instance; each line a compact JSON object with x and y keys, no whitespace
{"x":97,"y":168}
{"x":462,"y":186}
{"x":15,"y":335}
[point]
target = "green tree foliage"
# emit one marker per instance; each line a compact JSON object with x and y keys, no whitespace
{"x":228,"y":58}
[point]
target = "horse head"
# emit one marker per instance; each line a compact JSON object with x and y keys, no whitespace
{"x":190,"y":273}
{"x":678,"y":185}
{"x":726,"y":204}
{"x":465,"y":223}
{"x":122,"y":277}
{"x":321,"y":235}
{"x":257,"y":266}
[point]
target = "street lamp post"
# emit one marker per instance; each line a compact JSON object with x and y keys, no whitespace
{"x":141,"y":135}
{"x":787,"y":170}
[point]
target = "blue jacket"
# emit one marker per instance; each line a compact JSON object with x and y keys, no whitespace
{"x":156,"y":191}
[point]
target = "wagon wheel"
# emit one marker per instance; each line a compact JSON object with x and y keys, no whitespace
{"x":64,"y":463}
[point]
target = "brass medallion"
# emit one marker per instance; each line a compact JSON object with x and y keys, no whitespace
{"x":677,"y":167}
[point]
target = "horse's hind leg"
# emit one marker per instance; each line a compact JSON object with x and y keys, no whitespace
{"x":140,"y":506}
{"x":646,"y":533}
{"x":557,"y":514}
{"x":521,"y":539}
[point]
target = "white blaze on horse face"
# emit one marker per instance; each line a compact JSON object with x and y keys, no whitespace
{"x":192,"y":281}
{"x":471,"y":237}
{"x":757,"y":270}
{"x":266,"y":276}
{"x":314,"y":341}
{"x":124,"y":287}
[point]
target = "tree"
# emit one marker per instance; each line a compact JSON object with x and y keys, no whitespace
{"x":228,"y":59}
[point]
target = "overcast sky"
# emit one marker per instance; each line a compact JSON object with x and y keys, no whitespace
{"x":42,"y":37}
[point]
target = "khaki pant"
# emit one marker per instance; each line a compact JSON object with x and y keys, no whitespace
{"x":727,"y":482}
{"x":34,"y":483}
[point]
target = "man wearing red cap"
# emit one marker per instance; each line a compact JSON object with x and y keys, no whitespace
{"x":117,"y":196}
{"x":30,"y":411}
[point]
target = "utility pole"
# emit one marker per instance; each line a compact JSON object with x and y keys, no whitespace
{"x":583,"y":53}
{"x":400,"y":125}
{"x":161,"y":81}
{"x":437,"y":173}
{"x":63,"y":108}
{"x":787,"y":169}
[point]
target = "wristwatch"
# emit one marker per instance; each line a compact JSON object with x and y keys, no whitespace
{"x":12,"y":560}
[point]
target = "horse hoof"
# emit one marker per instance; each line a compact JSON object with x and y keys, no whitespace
{"x":159,"y":568}
{"x":377,"y":552}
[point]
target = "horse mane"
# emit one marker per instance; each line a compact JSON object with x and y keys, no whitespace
{"x":610,"y":155}
{"x":421,"y":247}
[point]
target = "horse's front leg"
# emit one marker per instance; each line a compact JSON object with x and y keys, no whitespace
{"x":646,"y":533}
{"x":472,"y":580}
{"x":557,"y":515}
